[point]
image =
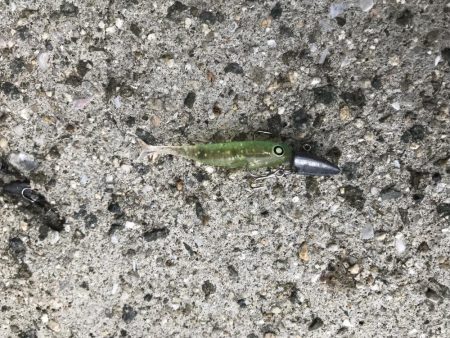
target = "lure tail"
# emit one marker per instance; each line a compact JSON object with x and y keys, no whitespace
{"x":154,"y":151}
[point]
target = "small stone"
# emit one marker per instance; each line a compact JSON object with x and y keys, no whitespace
{"x":276,"y":11}
{"x":180,"y":185}
{"x":271,"y":43}
{"x":208,"y":288}
{"x":128,"y":313}
{"x":396,"y":105}
{"x":3,"y":143}
{"x":414,"y":134}
{"x":337,"y":9}
{"x":42,"y":60}
{"x":432,"y":295}
{"x":400,"y":243}
{"x":119,"y":23}
{"x":394,"y":60}
{"x":344,"y":113}
{"x":276,"y":310}
{"x":54,"y":326}
{"x":354,"y":270}
{"x":389,"y":193}
{"x":303,"y":252}
{"x":155,"y":234}
{"x":68,"y":9}
{"x":190,"y":100}
{"x":367,"y":232}
{"x":315,"y":81}
{"x":315,"y":324}
{"x":129,"y":225}
{"x":17,"y":247}
{"x":23,"y":162}
{"x":366,"y":5}
{"x":187,"y":23}
{"x":234,"y":68}
{"x":44,"y":318}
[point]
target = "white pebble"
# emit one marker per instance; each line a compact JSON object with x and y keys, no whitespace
{"x":42,"y":60}
{"x":209,"y":170}
{"x":130,"y":225}
{"x":315,"y":81}
{"x":24,"y":113}
{"x":396,"y":105}
{"x":54,"y":326}
{"x":44,"y":318}
{"x":151,"y":37}
{"x":115,"y":288}
{"x":354,"y":270}
{"x":437,"y":60}
{"x":323,"y":56}
{"x":111,"y":30}
{"x":23,"y":161}
{"x":187,"y":23}
{"x":80,"y":104}
{"x":337,"y":9}
{"x":271,"y":43}
{"x":366,"y":5}
{"x":119,"y":23}
{"x":396,"y":164}
{"x":126,"y":168}
{"x":116,"y":101}
{"x":367,"y":232}
{"x":400,"y":243}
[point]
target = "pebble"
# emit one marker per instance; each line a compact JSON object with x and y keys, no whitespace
{"x":180,"y":185}
{"x":367,"y":232}
{"x":187,"y":23}
{"x":44,"y":318}
{"x":394,"y":60}
{"x":303,"y":253}
{"x":54,"y":326}
{"x":396,"y":105}
{"x":82,"y":103}
{"x":276,"y":310}
{"x":337,"y":9}
{"x":130,"y":225}
{"x":366,"y":5}
{"x":354,"y":270}
{"x":3,"y":143}
{"x":344,"y":113}
{"x":23,"y":161}
{"x":381,"y":236}
{"x":400,"y":243}
{"x":42,"y":60}
{"x":119,"y":23}
{"x":271,"y":43}
{"x":315,"y":81}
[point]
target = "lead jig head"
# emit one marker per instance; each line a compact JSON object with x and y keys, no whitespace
{"x":306,"y":164}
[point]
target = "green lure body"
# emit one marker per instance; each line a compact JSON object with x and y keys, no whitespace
{"x":235,"y":154}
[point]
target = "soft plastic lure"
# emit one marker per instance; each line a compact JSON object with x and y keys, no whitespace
{"x":247,"y":155}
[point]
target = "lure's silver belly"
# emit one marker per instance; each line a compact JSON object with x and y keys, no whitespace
{"x":305,"y":164}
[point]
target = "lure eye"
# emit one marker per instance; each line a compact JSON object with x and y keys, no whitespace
{"x":278,"y":150}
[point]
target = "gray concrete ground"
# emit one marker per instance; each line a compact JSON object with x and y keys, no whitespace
{"x":114,"y":246}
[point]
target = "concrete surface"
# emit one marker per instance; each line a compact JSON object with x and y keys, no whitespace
{"x":173,"y":248}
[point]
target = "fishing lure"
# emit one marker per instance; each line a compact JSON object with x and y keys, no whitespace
{"x":247,"y":155}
